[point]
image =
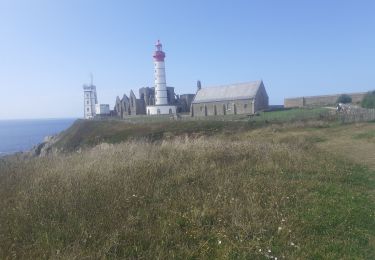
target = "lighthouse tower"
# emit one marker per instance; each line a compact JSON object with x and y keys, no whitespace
{"x":161,"y":98}
{"x":159,"y":73}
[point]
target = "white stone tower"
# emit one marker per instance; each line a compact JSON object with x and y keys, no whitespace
{"x":161,"y":95}
{"x":90,"y":100}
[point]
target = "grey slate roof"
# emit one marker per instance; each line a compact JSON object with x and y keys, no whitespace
{"x":246,"y":90}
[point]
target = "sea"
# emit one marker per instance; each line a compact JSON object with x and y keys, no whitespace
{"x":22,"y":135}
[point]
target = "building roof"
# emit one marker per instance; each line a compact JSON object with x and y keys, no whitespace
{"x":246,"y":90}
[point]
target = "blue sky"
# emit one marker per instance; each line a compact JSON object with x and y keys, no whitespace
{"x":48,"y":48}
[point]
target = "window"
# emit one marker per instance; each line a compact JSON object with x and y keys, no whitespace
{"x":88,"y":109}
{"x":244,"y":105}
{"x":170,"y":111}
{"x":88,"y":102}
{"x":201,"y":108}
{"x":158,"y":111}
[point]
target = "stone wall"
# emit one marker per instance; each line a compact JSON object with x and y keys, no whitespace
{"x":233,"y":107}
{"x":316,"y":101}
{"x":184,"y":102}
{"x":261,"y":99}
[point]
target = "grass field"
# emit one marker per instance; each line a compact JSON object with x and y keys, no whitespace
{"x":194,"y":190}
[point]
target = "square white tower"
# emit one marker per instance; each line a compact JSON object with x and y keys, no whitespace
{"x":90,"y":101}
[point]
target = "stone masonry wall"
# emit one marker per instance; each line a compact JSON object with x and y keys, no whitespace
{"x":320,"y":100}
{"x":223,"y":108}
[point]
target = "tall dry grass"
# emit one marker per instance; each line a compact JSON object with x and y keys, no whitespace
{"x":187,"y":198}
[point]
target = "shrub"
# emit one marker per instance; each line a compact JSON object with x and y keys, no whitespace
{"x":344,"y":98}
{"x":369,"y":100}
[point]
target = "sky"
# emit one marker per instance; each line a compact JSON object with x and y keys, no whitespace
{"x":48,"y":48}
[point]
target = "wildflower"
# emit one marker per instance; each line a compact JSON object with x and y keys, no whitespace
{"x":279,"y":228}
{"x":292,"y":244}
{"x":269,"y":251}
{"x":260,"y":250}
{"x":219,"y":242}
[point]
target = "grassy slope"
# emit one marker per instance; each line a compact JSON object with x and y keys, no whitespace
{"x":203,"y":195}
{"x":90,"y":133}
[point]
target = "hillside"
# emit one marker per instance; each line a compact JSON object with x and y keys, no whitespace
{"x":88,"y":133}
{"x":195,"y":190}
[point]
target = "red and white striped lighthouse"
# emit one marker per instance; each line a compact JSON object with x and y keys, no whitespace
{"x":161,"y":97}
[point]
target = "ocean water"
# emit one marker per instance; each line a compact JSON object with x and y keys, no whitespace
{"x":22,"y":135}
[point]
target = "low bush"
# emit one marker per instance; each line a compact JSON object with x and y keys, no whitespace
{"x":369,"y":100}
{"x":344,"y":98}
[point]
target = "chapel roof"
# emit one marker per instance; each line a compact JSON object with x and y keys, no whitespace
{"x":246,"y":90}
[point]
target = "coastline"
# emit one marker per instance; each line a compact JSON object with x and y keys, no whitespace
{"x":26,"y":136}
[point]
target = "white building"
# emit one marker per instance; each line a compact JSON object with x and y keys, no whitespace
{"x":90,"y":101}
{"x":102,"y":109}
{"x":161,"y":98}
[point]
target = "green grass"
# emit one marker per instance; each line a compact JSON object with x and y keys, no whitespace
{"x":365,"y":135}
{"x":215,"y":192}
{"x":294,"y":115}
{"x":86,"y":133}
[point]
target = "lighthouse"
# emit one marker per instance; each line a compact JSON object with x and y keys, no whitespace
{"x":159,"y":73}
{"x":161,"y":95}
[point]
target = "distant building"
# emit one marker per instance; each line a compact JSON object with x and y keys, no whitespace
{"x":160,"y":99}
{"x":90,"y":100}
{"x":319,"y":101}
{"x":128,"y":106}
{"x":244,"y":98}
{"x":102,"y":109}
{"x":183,"y":102}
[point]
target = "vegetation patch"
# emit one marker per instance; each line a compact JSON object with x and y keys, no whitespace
{"x":254,"y":194}
{"x":365,"y":135}
{"x":369,"y":100}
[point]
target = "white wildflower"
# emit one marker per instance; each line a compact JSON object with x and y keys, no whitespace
{"x":219,"y":242}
